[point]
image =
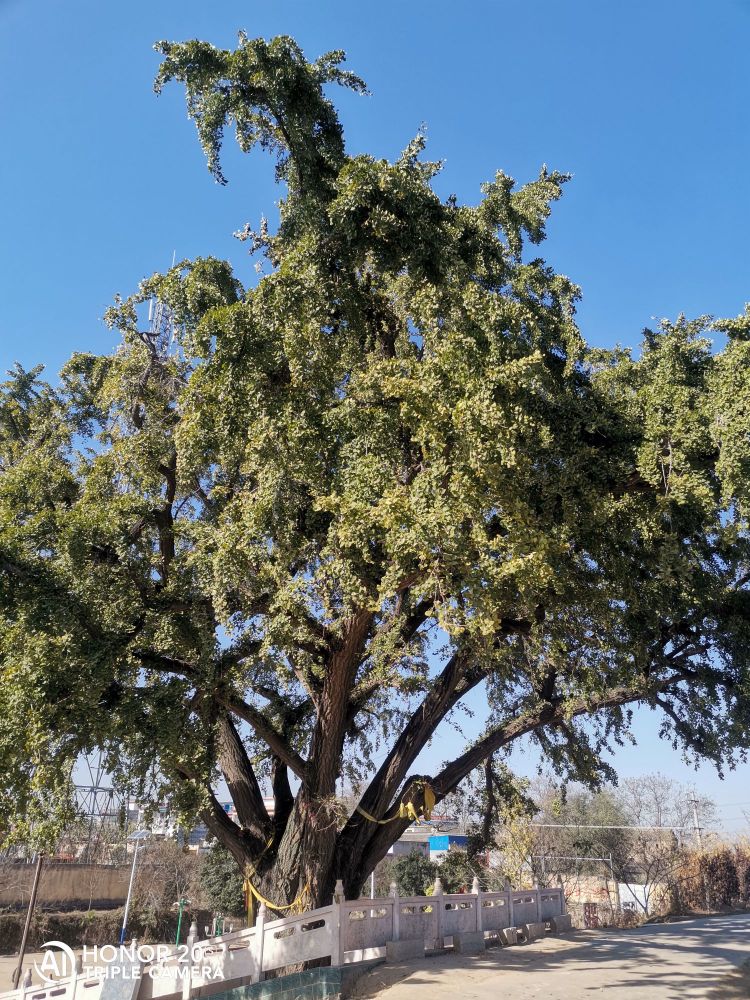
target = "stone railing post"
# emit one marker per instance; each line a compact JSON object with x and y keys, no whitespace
{"x":439,"y":908}
{"x":337,"y":929}
{"x":225,"y":960}
{"x":192,"y":938}
{"x":477,"y":891}
{"x":393,"y":892}
{"x":260,"y":923}
{"x":186,"y":973}
{"x":538,"y":892}
{"x":190,"y":941}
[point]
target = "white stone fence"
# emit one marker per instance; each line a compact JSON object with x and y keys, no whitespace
{"x":347,"y":931}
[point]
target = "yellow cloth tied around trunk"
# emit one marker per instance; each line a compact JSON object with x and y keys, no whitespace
{"x":406,"y":810}
{"x":250,"y":888}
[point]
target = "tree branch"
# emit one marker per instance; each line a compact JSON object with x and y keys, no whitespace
{"x":330,"y":728}
{"x":263,"y":728}
{"x":452,"y":684}
{"x":160,"y":661}
{"x":241,"y":781}
{"x":448,"y":779}
{"x":240,"y":843}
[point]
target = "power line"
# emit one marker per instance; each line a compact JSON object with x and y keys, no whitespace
{"x":570,"y":857}
{"x":600,"y":826}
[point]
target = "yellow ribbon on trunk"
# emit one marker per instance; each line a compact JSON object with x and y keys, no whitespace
{"x":406,"y":810}
{"x":250,"y":888}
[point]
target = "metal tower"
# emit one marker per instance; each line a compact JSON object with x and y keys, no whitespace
{"x":99,"y":804}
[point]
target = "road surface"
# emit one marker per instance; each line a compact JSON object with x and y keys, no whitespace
{"x":688,"y":959}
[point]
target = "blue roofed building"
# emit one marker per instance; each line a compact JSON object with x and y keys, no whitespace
{"x":441,"y":843}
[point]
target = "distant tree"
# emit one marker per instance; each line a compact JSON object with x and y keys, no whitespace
{"x":637,"y":833}
{"x":657,"y":858}
{"x":287,"y":523}
{"x":655,"y":800}
{"x":457,"y":871}
{"x":588,"y":831}
{"x":384,"y":875}
{"x":414,"y":873}
{"x":165,"y":872}
{"x":221,"y":882}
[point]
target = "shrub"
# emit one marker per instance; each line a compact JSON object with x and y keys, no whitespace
{"x":414,"y":873}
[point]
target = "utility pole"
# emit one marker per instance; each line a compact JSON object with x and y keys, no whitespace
{"x":615,"y":884}
{"x":698,"y":834}
{"x":27,"y":925}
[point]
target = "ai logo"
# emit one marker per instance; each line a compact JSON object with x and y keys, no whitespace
{"x":58,"y":962}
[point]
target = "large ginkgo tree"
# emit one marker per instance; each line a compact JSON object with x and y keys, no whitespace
{"x":279,"y":535}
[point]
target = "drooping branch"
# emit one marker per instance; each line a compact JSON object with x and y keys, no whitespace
{"x":691,"y":736}
{"x":240,"y":843}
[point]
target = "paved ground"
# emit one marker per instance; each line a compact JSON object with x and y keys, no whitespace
{"x":690,"y":959}
{"x":8,"y":965}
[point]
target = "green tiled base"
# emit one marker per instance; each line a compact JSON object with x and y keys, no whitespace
{"x":315,"y":984}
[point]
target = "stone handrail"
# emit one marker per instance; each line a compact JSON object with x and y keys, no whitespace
{"x":346,"y":931}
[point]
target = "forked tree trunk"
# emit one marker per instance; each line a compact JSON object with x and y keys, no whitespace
{"x":301,"y":868}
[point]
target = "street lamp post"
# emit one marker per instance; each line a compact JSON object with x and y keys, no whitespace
{"x":181,"y":903}
{"x":136,"y":837}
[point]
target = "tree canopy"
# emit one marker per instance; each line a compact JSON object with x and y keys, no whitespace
{"x":290,"y":524}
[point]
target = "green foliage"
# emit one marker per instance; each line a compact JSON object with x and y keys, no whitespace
{"x":586,"y":817}
{"x":457,"y":871}
{"x":384,"y":875}
{"x":271,"y":95}
{"x":221,"y":882}
{"x":414,"y":873}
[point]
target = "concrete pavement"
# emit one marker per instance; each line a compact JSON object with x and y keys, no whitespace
{"x":687,"y":959}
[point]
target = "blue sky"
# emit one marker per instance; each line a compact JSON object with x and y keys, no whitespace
{"x":646,"y":104}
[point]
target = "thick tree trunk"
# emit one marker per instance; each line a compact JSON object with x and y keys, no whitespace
{"x":299,"y":868}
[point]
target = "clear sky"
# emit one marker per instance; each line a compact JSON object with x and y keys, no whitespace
{"x":645,"y":103}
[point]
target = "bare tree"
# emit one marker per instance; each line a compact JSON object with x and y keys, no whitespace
{"x":164,"y":874}
{"x":662,"y":812}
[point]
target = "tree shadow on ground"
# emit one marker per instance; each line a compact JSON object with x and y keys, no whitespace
{"x":735,"y":986}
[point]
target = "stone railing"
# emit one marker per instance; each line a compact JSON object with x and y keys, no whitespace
{"x":347,"y":931}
